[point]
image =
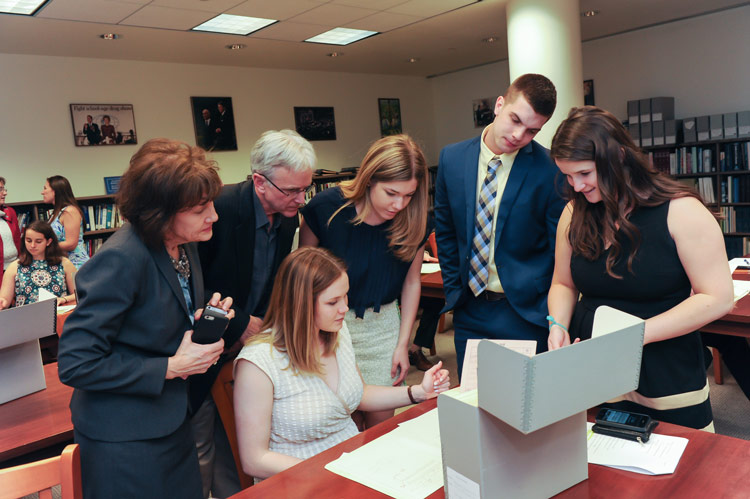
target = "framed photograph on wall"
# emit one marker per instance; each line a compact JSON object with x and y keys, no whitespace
{"x":484,"y":111}
{"x":103,"y":124}
{"x":213,"y":119}
{"x":315,"y":123}
{"x":390,"y":116}
{"x":588,"y":93}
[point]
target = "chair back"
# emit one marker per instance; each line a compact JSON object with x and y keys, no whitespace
{"x":222,"y":392}
{"x":432,"y":244}
{"x":41,"y":476}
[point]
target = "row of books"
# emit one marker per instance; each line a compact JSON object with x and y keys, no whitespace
{"x":101,"y":216}
{"x":735,"y":219}
{"x":93,"y":245}
{"x":734,"y":156}
{"x":700,"y":159}
{"x":737,"y":246}
{"x":735,"y":189}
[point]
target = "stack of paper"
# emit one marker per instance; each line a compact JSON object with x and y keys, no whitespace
{"x":404,"y":463}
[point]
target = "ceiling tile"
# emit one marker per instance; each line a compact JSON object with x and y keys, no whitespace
{"x":335,"y":15}
{"x":427,"y":8}
{"x":290,"y":31}
{"x":215,"y":6}
{"x":383,"y":21}
{"x":278,"y":9}
{"x":370,"y":4}
{"x":167,"y":18}
{"x":98,"y":11}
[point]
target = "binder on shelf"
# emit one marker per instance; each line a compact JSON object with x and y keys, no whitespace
{"x":20,"y":356}
{"x":528,"y":419}
{"x":689,"y":129}
{"x":635,"y":133}
{"x":647,"y":139}
{"x":671,"y":129}
{"x":644,"y":106}
{"x":657,"y":131}
{"x":730,"y":125}
{"x":634,"y":113}
{"x":702,"y":128}
{"x":743,"y":124}
{"x":662,"y":108}
{"x":716,"y":126}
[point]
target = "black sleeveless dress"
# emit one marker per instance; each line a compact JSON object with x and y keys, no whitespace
{"x":673,"y":385}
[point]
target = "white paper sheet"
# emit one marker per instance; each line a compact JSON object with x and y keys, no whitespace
{"x":462,"y":487}
{"x":469,"y":372}
{"x":741,"y":288}
{"x":659,"y":456}
{"x":430,"y":268}
{"x":45,"y":295}
{"x":405,"y":463}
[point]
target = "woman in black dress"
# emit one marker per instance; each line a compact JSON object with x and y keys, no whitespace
{"x":636,"y":240}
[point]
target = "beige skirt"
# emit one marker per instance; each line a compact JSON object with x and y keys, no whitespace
{"x":374,"y":338}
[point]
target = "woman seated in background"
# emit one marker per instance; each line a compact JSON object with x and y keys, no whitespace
{"x":638,"y":241}
{"x":40,"y":265}
{"x":66,"y":219}
{"x":297,"y":383}
{"x":10,"y":235}
{"x":127,"y":347}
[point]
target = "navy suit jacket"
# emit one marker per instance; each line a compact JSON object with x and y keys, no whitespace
{"x":524,"y":235}
{"x":131,"y":316}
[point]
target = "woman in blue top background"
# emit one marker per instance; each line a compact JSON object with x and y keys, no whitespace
{"x":377,"y":223}
{"x":66,"y":219}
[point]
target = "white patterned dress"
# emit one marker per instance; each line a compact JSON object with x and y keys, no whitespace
{"x":307,"y":416}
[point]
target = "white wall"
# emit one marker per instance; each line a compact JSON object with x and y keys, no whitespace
{"x":703,"y":62}
{"x":36,"y":137}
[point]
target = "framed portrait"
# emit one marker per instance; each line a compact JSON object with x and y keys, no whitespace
{"x":103,"y":124}
{"x":484,"y":111}
{"x":213,"y":119}
{"x":315,"y":123}
{"x":389,"y":112}
{"x":588,"y":93}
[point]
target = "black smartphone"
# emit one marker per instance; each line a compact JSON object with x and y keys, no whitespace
{"x":623,"y":419}
{"x":211,"y":326}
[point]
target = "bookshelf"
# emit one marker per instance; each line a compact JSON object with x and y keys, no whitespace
{"x":101,"y":217}
{"x":720,"y":171}
{"x":328,"y":180}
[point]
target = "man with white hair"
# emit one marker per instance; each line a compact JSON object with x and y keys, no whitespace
{"x":256,"y":227}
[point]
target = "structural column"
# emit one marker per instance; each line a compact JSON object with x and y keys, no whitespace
{"x":544,"y":36}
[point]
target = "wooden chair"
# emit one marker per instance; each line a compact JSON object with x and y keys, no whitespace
{"x":223,"y":393}
{"x":41,"y":476}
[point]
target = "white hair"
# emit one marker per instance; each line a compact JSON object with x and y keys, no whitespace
{"x":282,"y":148}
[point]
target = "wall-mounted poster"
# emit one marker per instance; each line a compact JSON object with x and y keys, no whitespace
{"x":213,"y":118}
{"x":484,"y":111}
{"x":390,"y":116}
{"x":588,"y":92}
{"x":103,"y":124}
{"x":315,"y":123}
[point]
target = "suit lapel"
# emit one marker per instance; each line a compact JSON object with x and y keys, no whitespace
{"x":196,"y":275}
{"x":518,"y":173}
{"x":161,"y":257}
{"x":470,"y":167}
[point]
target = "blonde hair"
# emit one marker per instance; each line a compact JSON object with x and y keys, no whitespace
{"x":289,"y":324}
{"x":393,"y":159}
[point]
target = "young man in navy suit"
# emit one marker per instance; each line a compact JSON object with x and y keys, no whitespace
{"x":497,"y":203}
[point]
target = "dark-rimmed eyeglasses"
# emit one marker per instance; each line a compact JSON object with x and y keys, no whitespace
{"x":290,"y":192}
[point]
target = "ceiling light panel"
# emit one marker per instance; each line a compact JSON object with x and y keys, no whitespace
{"x":234,"y":25}
{"x":25,"y":7}
{"x":341,"y":36}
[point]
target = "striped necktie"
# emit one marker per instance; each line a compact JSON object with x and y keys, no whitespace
{"x":480,"y":245}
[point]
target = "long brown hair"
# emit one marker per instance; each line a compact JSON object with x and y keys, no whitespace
{"x":63,"y":195}
{"x":52,"y":253}
{"x":626,"y":180}
{"x":289,"y":324}
{"x":393,"y":159}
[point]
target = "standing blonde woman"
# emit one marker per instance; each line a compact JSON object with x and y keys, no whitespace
{"x":377,"y":224}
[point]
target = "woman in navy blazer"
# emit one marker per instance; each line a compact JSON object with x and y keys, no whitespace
{"x":127,"y":349}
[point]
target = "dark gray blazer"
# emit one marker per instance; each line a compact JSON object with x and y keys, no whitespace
{"x":131,"y":316}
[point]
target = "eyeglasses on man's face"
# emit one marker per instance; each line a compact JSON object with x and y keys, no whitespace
{"x":290,"y":192}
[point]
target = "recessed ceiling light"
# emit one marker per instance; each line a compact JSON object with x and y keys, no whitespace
{"x":335,"y":54}
{"x":25,"y":7}
{"x":589,"y":13}
{"x":236,"y":46}
{"x":109,"y":36}
{"x":234,"y":25}
{"x":490,"y":39}
{"x":412,"y":59}
{"x":341,"y":36}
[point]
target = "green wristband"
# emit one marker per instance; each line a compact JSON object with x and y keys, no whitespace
{"x":553,"y":322}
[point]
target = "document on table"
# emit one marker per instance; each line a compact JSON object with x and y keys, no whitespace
{"x":741,"y":288}
{"x":405,"y":463}
{"x":430,"y":268}
{"x":658,"y":456}
{"x":469,"y":372}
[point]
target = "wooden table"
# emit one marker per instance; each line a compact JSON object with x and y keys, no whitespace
{"x":432,"y":285}
{"x":711,"y":466}
{"x":38,"y":420}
